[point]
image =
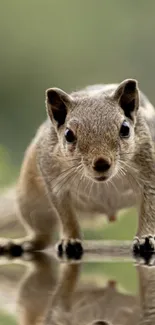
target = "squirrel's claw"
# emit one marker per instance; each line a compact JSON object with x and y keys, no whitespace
{"x":144,"y":248}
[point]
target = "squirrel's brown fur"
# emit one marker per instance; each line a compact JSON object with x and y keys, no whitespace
{"x":96,"y":168}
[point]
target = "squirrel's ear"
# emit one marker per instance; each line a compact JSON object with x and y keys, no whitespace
{"x":127,"y":95}
{"x":57,"y":103}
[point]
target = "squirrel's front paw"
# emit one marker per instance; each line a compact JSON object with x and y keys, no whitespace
{"x":72,"y":248}
{"x":144,"y":247}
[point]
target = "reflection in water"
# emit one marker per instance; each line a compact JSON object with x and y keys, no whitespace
{"x":147,"y":294}
{"x":52,"y":293}
{"x":36,"y":287}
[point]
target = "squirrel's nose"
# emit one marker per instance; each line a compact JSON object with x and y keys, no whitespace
{"x":101,"y":164}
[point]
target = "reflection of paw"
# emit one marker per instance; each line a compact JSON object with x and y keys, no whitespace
{"x":11,"y":249}
{"x":144,"y":247}
{"x":72,"y":248}
{"x":15,"y":249}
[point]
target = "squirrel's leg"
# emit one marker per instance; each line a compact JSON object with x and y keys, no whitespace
{"x":70,"y":243}
{"x":39,"y":219}
{"x":36,"y":212}
{"x":144,"y":242}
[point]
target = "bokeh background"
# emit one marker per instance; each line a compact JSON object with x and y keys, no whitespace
{"x":68,"y":44}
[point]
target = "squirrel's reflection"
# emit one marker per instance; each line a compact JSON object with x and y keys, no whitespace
{"x":36,"y":287}
{"x":51,"y":294}
{"x":147,"y":294}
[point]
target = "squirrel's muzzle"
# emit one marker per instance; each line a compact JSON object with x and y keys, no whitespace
{"x":101,"y":165}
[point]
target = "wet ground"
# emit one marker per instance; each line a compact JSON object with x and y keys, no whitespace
{"x":108,"y":285}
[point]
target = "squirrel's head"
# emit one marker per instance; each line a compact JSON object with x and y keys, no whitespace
{"x":96,"y":130}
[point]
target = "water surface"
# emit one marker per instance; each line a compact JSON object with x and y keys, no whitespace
{"x":108,"y":285}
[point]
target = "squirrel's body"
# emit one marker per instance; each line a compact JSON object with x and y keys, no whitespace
{"x":57,"y":180}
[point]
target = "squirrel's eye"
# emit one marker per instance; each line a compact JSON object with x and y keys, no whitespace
{"x":69,"y":135}
{"x":125,"y":130}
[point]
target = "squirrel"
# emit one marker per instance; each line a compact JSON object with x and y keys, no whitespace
{"x":95,"y":152}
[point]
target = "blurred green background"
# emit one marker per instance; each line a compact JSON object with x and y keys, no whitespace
{"x":68,"y":44}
